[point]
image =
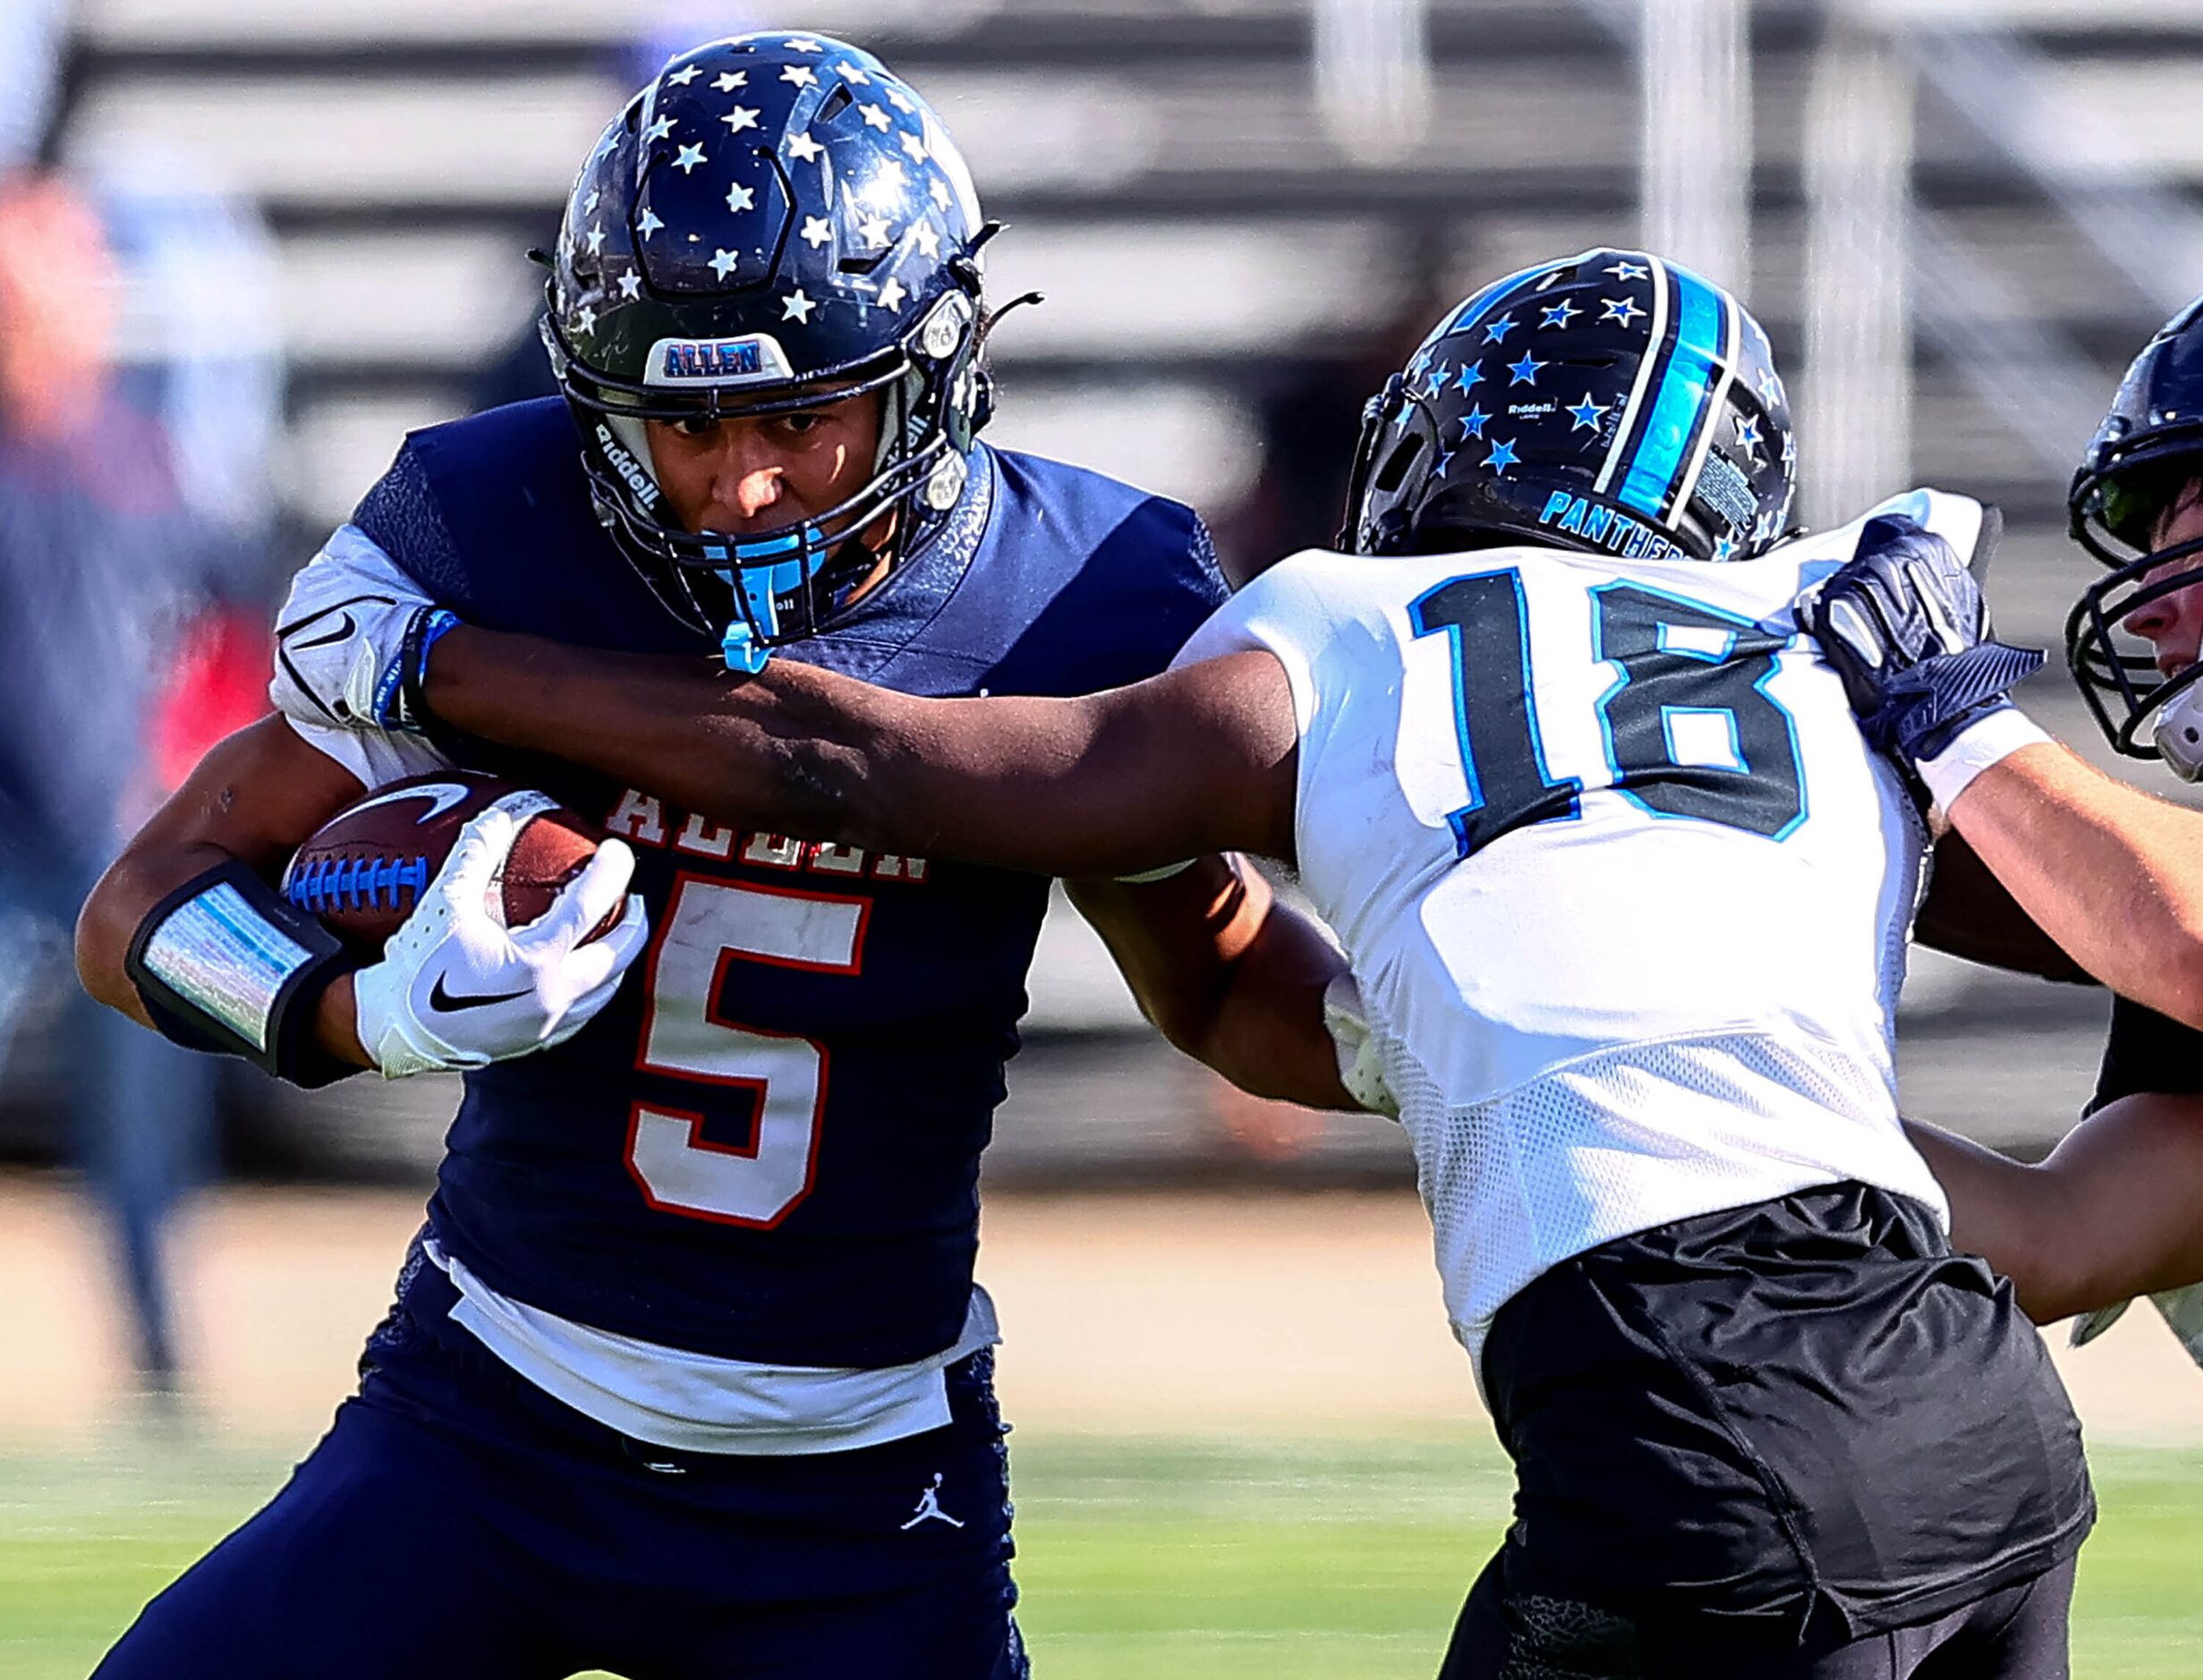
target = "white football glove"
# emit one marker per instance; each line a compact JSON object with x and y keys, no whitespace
{"x":456,"y":988}
{"x":1360,"y":1069}
{"x":341,"y":638}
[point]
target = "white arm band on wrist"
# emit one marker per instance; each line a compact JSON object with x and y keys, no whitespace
{"x":1977,"y":748}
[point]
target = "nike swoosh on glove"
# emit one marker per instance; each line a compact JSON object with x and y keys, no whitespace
{"x":456,"y":988}
{"x":1904,"y":625}
{"x":353,"y":640}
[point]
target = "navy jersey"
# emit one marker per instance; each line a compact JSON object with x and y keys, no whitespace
{"x":767,"y":1147}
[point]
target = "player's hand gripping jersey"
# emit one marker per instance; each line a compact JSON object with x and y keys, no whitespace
{"x":766,"y":1147}
{"x":1627,"y":894}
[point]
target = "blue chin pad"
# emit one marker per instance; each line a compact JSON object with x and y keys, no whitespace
{"x":761,"y":578}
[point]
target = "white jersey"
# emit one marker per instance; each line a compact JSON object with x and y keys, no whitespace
{"x":1626,"y":893}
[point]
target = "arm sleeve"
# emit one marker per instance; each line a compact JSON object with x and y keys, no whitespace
{"x":377,"y":758}
{"x":2147,"y":1051}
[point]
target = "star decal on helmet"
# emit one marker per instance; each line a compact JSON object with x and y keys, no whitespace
{"x":900,"y":101}
{"x":630,"y":284}
{"x":1587,"y":413}
{"x":803,"y":146}
{"x":1472,"y":423}
{"x":1470,"y":377}
{"x":872,"y":231}
{"x":1747,"y":438}
{"x":803,"y":44}
{"x":796,"y":306}
{"x":1496,"y":332}
{"x":681,"y":78}
{"x":1502,"y":456}
{"x":658,"y":131}
{"x":740,"y":198}
{"x":912,"y":145}
{"x":689,"y":159}
{"x":741,"y":117}
{"x":1559,"y":315}
{"x":850,"y":73}
{"x":722,"y":262}
{"x":649,"y":223}
{"x":874,"y":117}
{"x":727,"y":81}
{"x":1622,"y":310}
{"x":800,"y":75}
{"x":816,"y":231}
{"x":925,"y":239}
{"x":1629,"y":271}
{"x":595,"y":241}
{"x":940,"y":193}
{"x":891,"y":296}
{"x":1526,"y":371}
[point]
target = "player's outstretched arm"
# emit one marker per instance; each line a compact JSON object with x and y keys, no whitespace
{"x":1197,"y":760}
{"x":1227,"y":973}
{"x":2110,"y":1214}
{"x":2112,"y":875}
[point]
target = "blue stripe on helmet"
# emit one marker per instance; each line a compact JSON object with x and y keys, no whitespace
{"x":1684,"y":382}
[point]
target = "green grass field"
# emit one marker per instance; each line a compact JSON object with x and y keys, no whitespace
{"x":1159,"y":1559}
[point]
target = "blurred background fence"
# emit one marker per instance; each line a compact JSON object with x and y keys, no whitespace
{"x":1957,"y":219}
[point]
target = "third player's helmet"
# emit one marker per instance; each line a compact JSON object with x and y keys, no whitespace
{"x":1608,"y":401}
{"x":774,"y":221}
{"x":2148,"y":450}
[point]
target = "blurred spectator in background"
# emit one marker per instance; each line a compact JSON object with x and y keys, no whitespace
{"x":100,"y":554}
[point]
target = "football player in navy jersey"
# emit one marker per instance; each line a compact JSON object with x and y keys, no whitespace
{"x":1532,"y":741}
{"x":688,"y":1374}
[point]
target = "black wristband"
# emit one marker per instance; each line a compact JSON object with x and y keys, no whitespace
{"x":223,"y":964}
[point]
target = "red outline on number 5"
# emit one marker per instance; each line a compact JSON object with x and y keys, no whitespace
{"x":728,"y":955}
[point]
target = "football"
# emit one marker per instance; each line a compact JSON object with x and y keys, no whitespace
{"x":363,"y":871}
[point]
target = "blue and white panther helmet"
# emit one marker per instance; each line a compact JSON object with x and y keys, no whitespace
{"x":776,"y":219}
{"x":1609,"y":401}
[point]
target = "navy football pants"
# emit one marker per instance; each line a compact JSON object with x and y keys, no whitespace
{"x":455,"y":1523}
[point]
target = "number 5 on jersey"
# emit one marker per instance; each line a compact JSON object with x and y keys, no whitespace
{"x":709,"y":925}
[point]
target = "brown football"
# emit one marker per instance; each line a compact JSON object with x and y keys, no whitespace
{"x":363,"y":871}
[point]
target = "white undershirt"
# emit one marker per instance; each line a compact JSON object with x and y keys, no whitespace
{"x":695,"y":1402}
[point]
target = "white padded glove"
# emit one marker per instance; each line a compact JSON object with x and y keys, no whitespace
{"x":456,"y":988}
{"x":341,"y":638}
{"x":1360,"y":1069}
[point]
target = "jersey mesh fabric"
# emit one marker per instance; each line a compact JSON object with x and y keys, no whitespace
{"x":1631,"y":1138}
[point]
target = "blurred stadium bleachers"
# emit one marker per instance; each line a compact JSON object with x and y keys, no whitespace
{"x":1174,"y":184}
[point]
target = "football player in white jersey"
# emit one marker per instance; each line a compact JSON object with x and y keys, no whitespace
{"x":2114,"y":874}
{"x":1625,"y":898}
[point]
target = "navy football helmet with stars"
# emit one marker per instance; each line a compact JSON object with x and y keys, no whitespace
{"x":2144,"y":456}
{"x":1609,"y":401}
{"x":776,"y":221}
